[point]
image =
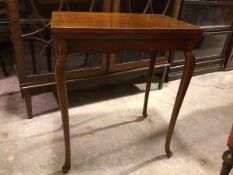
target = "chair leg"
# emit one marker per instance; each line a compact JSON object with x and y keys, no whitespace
{"x":162,"y":78}
{"x":28,"y":101}
{"x":3,"y":67}
{"x":226,"y":168}
{"x":227,"y":161}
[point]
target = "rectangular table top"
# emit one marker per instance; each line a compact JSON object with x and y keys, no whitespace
{"x":97,"y":23}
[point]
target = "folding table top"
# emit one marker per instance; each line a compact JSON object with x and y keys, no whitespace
{"x":84,"y":22}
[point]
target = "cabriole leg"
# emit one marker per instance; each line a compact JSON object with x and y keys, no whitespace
{"x":185,"y":80}
{"x":62,"y":58}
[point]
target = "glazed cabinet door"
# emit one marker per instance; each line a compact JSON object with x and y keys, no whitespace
{"x":34,"y":45}
{"x":211,"y":15}
{"x":209,"y":55}
{"x":216,"y":18}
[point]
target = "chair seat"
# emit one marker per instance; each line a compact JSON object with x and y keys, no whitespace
{"x":230,"y":139}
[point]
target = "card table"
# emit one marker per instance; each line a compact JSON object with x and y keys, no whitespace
{"x":114,"y":32}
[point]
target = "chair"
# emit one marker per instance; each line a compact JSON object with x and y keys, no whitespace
{"x":228,"y":156}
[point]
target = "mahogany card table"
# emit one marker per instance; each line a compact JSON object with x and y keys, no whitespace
{"x":114,"y":32}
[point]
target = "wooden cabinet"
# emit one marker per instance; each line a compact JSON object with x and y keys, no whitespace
{"x":216,"y":17}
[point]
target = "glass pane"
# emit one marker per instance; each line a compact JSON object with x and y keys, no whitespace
{"x":36,"y":57}
{"x":76,"y":61}
{"x":128,"y":56}
{"x":212,"y":45}
{"x":131,"y":56}
{"x":34,"y":17}
{"x":207,"y":15}
{"x":84,"y":60}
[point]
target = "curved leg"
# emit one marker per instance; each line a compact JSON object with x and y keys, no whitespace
{"x":148,"y":84}
{"x":62,"y":94}
{"x":185,"y":80}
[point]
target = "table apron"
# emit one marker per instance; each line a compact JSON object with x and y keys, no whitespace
{"x":112,"y":46}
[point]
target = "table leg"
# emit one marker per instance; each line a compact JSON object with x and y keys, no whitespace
{"x":148,"y":84}
{"x":162,"y":78}
{"x":62,"y":59}
{"x":187,"y":75}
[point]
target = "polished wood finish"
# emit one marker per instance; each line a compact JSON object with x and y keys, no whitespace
{"x":185,"y":80}
{"x":124,"y":23}
{"x":62,"y":58}
{"x":110,"y":33}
